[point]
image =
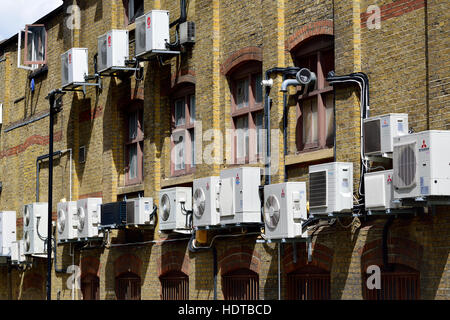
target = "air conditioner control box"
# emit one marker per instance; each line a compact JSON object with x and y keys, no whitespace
{"x":284,"y":210}
{"x":152,"y":32}
{"x":206,"y":201}
{"x":379,"y":191}
{"x":422,"y":164}
{"x":331,"y":188}
{"x":74,"y":66}
{"x":239,"y":195}
{"x":380,"y":131}
{"x":7,"y":231}
{"x":113,"y":50}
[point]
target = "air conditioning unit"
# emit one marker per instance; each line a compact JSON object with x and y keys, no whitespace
{"x":206,"y":202}
{"x":67,"y":223}
{"x":284,"y":210}
{"x":174,"y":204}
{"x":140,"y":211}
{"x":74,"y":66}
{"x":88,"y":218}
{"x":7,"y":231}
{"x":152,"y":32}
{"x":331,"y":188}
{"x":380,"y":131}
{"x":422,"y":164}
{"x":113,"y":50}
{"x":187,"y":32}
{"x":18,"y":252}
{"x":113,"y":215}
{"x":239,"y":195}
{"x":35,"y":217}
{"x":379,"y":191}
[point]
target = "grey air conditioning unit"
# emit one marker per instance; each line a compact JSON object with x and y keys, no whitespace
{"x":187,"y":32}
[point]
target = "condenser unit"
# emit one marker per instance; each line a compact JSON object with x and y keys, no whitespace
{"x":67,"y":222}
{"x":206,"y":202}
{"x":141,"y":211}
{"x":175,"y":205}
{"x":152,"y":32}
{"x":113,"y":50}
{"x":187,"y":32}
{"x":379,"y":191}
{"x":74,"y":67}
{"x":239,"y":195}
{"x":284,"y":210}
{"x":331,"y":188}
{"x":113,"y":215}
{"x":88,"y":217}
{"x":380,"y":131}
{"x":35,"y":217}
{"x":422,"y":164}
{"x":7,"y":231}
{"x":18,"y":252}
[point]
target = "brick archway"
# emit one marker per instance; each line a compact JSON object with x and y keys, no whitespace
{"x":127,"y":263}
{"x":33,"y":281}
{"x":174,"y":261}
{"x":90,"y":265}
{"x":243,"y":55}
{"x":239,"y":258}
{"x":322,"y":257}
{"x":322,"y":27}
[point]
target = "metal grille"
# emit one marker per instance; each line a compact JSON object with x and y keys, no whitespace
{"x":102,"y":49}
{"x":372,"y":138}
{"x":404,"y":165}
{"x":128,"y":287}
{"x":242,"y":284}
{"x":318,"y":189}
{"x":396,"y":286}
{"x":309,"y":286}
{"x":175,"y":286}
{"x":90,"y":287}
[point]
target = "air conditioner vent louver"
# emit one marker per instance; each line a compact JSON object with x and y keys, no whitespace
{"x":165,"y":207}
{"x":405,"y":165}
{"x":372,"y":138}
{"x":61,"y":221}
{"x":199,"y":202}
{"x":272,"y":212}
{"x":318,"y":189}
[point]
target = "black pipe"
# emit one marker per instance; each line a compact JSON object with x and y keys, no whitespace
{"x":50,"y":198}
{"x":386,"y":265}
{"x":183,"y":14}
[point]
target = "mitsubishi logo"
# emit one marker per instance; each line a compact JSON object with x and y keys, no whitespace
{"x":149,"y":22}
{"x":389,"y":180}
{"x":424,"y":145}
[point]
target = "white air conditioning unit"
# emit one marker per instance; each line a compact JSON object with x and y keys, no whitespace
{"x":74,"y":66}
{"x":284,"y":210}
{"x":422,"y":164}
{"x":113,"y":50}
{"x":379,"y":191}
{"x":35,"y":217}
{"x":331,"y":188}
{"x":67,"y":221}
{"x":18,"y":252}
{"x":7,"y":231}
{"x":239,"y":195}
{"x":174,"y":205}
{"x":380,"y":131}
{"x":140,"y":212}
{"x":88,"y":217}
{"x":206,"y":202}
{"x":152,"y":32}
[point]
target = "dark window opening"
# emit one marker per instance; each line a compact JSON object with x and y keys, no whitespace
{"x":242,"y":284}
{"x":174,"y":286}
{"x":128,"y":287}
{"x":308,"y":283}
{"x":90,"y":287}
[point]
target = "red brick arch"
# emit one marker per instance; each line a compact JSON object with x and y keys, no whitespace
{"x":239,"y":258}
{"x":90,"y":265}
{"x":322,"y":257}
{"x":400,"y":251}
{"x":127,"y":263}
{"x":241,"y":56}
{"x":322,"y":27}
{"x":183,"y":77}
{"x":174,"y":261}
{"x":33,"y":280}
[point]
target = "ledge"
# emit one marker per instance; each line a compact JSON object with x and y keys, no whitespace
{"x":173,"y":181}
{"x":309,"y":156}
{"x":130,"y":189}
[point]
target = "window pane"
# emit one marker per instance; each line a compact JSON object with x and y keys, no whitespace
{"x":242,"y":137}
{"x":329,"y":105}
{"x":132,"y":126}
{"x":242,"y":93}
{"x":132,"y":156}
{"x":192,"y":134}
{"x":179,"y":152}
{"x":192,"y":110}
{"x":179,"y":113}
{"x":310,"y":125}
{"x":259,"y":133}
{"x":258,"y":88}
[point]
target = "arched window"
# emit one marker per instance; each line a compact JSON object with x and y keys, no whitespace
{"x":398,"y":283}
{"x":128,"y":286}
{"x":308,"y":283}
{"x":174,"y":286}
{"x":315,"y":109}
{"x":90,"y":287}
{"x":241,"y":284}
